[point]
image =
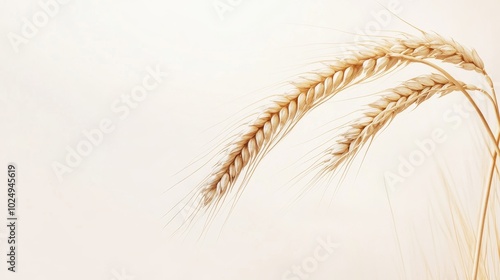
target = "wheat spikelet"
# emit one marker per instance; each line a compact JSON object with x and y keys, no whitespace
{"x":372,"y":60}
{"x":383,"y":110}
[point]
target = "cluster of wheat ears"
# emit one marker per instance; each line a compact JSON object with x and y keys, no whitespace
{"x":366,"y":62}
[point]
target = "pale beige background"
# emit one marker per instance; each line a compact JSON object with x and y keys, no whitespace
{"x":105,"y":219}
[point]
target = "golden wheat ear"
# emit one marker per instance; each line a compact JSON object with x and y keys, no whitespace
{"x":380,"y":112}
{"x":370,"y":60}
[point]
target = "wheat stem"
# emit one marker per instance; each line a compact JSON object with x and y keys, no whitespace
{"x":483,"y":214}
{"x":485,"y":201}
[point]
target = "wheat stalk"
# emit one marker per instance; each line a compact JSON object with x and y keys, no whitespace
{"x":373,"y":60}
{"x":383,"y":110}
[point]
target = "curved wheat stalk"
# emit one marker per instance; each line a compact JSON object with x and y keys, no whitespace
{"x":373,"y":60}
{"x":383,"y":110}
